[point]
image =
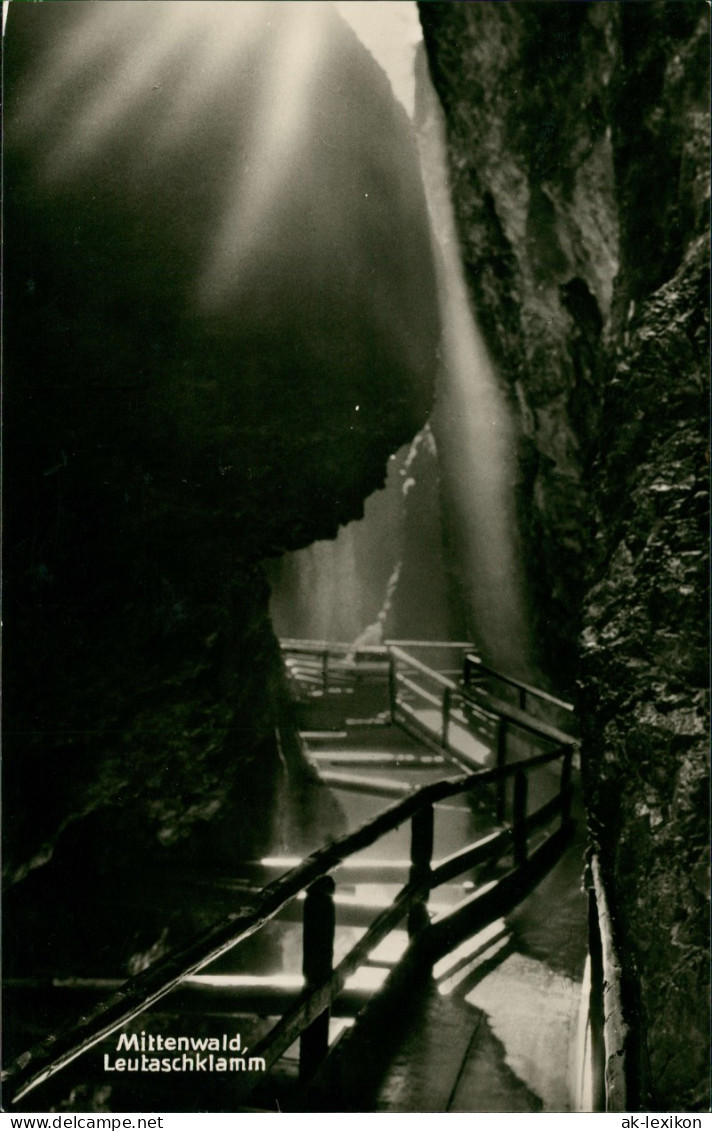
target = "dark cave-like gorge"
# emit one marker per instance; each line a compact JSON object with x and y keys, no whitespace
{"x":218,"y":329}
{"x":169,"y":426}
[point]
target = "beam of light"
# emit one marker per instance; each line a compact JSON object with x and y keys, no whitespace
{"x":123,"y":92}
{"x":93,"y":29}
{"x":158,"y":72}
{"x":279,"y":126}
{"x":475,"y":436}
{"x":470,"y":946}
{"x":474,"y":433}
{"x":499,"y":945}
{"x":369,"y":978}
{"x":109,"y":61}
{"x":217,"y":48}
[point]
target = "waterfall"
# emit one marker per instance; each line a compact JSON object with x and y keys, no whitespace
{"x":334,"y":588}
{"x":471,"y":424}
{"x":382,"y":577}
{"x":473,"y":428}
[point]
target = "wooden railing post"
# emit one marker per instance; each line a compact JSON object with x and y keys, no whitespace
{"x":565,"y":786}
{"x":519,"y":829}
{"x":392,"y":686}
{"x":421,"y":854}
{"x":595,"y":1006}
{"x":522,"y":698}
{"x":616,"y":1033}
{"x":317,"y":960}
{"x":325,"y":671}
{"x":501,"y":762}
{"x":45,"y":1059}
{"x":447,"y":702}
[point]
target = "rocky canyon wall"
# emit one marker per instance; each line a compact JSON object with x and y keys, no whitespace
{"x":578,"y":148}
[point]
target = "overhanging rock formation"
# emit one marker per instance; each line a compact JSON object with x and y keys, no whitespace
{"x":220,"y":323}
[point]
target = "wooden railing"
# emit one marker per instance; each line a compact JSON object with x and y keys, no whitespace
{"x":478,"y":675}
{"x":308,"y":1017}
{"x":610,"y":1035}
{"x":416,"y":690}
{"x":428,"y":704}
{"x":448,"y":717}
{"x":439,"y":711}
{"x":337,"y":659}
{"x":324,"y":665}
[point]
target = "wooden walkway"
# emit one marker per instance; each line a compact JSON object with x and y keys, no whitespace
{"x":490,"y":1024}
{"x":493,"y":1027}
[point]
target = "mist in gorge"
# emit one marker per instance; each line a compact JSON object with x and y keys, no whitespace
{"x":469,"y":540}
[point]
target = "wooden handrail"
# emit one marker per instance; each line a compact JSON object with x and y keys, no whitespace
{"x":473,"y":661}
{"x":435,"y":677}
{"x":606,"y":985}
{"x":491,"y":707}
{"x":139,"y":993}
{"x":492,"y":845}
{"x":519,"y":718}
{"x":319,"y":647}
{"x":410,"y":899}
{"x":382,"y":651}
{"x":455,"y":644}
{"x":361,"y":783}
{"x":296,"y":644}
{"x":310,"y":1006}
{"x":494,"y":899}
{"x":434,"y":700}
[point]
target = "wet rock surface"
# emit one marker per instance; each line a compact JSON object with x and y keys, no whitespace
{"x":531,"y":170}
{"x":578,"y":138}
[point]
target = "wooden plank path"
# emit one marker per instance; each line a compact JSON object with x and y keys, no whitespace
{"x":449,"y":825}
{"x":499,"y":1034}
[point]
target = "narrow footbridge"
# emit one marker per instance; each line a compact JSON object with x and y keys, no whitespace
{"x":458,"y":785}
